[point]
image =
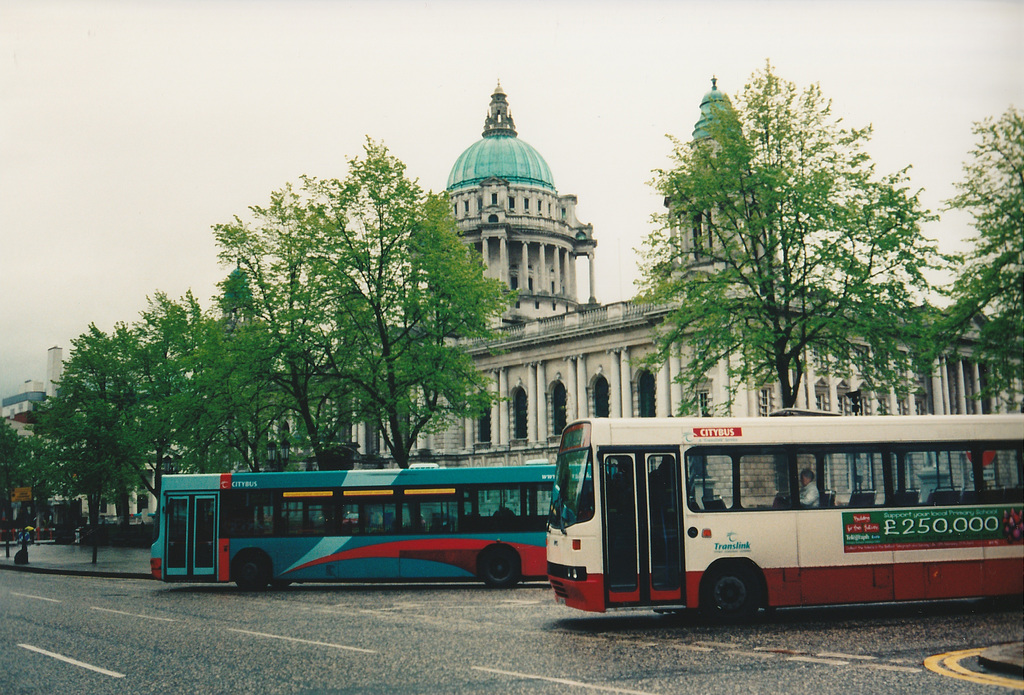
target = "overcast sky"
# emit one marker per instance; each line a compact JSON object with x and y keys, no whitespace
{"x":128,"y":129}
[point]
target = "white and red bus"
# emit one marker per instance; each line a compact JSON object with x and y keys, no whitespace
{"x":732,"y":515}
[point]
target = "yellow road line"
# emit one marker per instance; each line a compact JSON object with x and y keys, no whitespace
{"x":948,"y":664}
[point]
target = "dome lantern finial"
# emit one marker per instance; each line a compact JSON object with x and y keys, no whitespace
{"x":713,"y":101}
{"x":499,"y":118}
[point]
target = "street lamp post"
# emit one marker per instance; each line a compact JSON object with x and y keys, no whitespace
{"x":277,"y":456}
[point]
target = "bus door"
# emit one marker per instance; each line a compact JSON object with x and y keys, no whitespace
{"x":191,"y":536}
{"x":642,"y":518}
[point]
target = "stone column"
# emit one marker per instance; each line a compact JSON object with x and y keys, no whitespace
{"x":573,"y":290}
{"x":541,"y":391}
{"x":614,"y":398}
{"x":581,"y":386}
{"x":524,"y":268}
{"x":661,"y":392}
{"x":936,"y":378}
{"x":496,"y":409}
{"x":976,"y":377}
{"x":961,"y":396}
{"x":675,"y":365}
{"x":503,"y":258}
{"x":558,"y":270}
{"x":590,"y":262}
{"x":627,"y":381}
{"x":545,"y":283}
{"x":503,"y":431}
{"x":531,"y":401}
{"x":571,"y":413}
{"x":944,"y":375}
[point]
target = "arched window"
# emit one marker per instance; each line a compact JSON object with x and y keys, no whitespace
{"x":558,"y":408}
{"x":519,"y":417}
{"x":601,"y":397}
{"x":484,"y":428}
{"x":492,"y":219}
{"x":646,"y":394}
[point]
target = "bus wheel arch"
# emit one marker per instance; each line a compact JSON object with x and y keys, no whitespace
{"x":499,"y":566}
{"x":252,"y":569}
{"x":732,"y":589}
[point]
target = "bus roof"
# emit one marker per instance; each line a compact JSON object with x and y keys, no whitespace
{"x":370,"y":478}
{"x":765,"y":430}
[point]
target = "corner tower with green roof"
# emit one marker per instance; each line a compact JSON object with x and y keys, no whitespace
{"x":506,"y":205}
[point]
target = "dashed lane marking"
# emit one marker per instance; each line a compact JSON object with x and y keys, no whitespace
{"x":890,"y":667}
{"x":840,"y":655}
{"x":816,"y":660}
{"x":37,"y":598}
{"x":73,"y":662}
{"x":561,"y":681}
{"x":304,"y":641}
{"x":948,"y":664}
{"x":133,"y":615}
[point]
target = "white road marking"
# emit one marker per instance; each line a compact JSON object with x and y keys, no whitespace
{"x":37,"y":598}
{"x":73,"y":662}
{"x":561,"y":681}
{"x":815,"y":660}
{"x":839,"y":655}
{"x":888,"y":667}
{"x":304,"y":641}
{"x":133,"y":615}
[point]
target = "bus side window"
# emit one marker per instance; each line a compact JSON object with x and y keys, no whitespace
{"x":441,"y":516}
{"x":247,"y":514}
{"x":348,"y":520}
{"x":764,"y":480}
{"x":855,"y":476}
{"x":1001,"y":470}
{"x":709,"y":481}
{"x":937,"y":477}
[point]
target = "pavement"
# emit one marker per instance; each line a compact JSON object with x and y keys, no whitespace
{"x":133,"y":563}
{"x":51,"y":558}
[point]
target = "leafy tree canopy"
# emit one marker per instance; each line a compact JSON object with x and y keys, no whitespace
{"x":781,"y":242}
{"x":989,"y":286}
{"x":364,"y":286}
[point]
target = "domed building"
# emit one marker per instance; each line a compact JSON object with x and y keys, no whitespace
{"x":556,"y":358}
{"x":506,"y":205}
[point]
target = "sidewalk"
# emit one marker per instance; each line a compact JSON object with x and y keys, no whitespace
{"x":49,"y":558}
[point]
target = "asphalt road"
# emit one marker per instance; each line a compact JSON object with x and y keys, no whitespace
{"x":88,"y":635}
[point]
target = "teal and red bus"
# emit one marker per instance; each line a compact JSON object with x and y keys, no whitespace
{"x":259,"y":529}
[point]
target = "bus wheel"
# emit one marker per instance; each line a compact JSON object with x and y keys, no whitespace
{"x":499,"y":567}
{"x":731,"y":592}
{"x":251,"y":571}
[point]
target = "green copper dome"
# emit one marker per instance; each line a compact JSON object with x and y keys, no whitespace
{"x":712,"y":101}
{"x":504,"y":156}
{"x":500,"y":153}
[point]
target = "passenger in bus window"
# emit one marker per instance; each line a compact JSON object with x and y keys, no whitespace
{"x":808,"y":490}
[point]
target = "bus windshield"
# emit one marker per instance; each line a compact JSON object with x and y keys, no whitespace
{"x":572,"y":498}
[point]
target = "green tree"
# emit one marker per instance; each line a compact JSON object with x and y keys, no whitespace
{"x":780,"y":244}
{"x":89,"y":431}
{"x":283,"y":261}
{"x":13,"y":473}
{"x":989,"y":287}
{"x":163,"y":355}
{"x":407,"y":290}
{"x":240,"y":402}
{"x":365,"y":288}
